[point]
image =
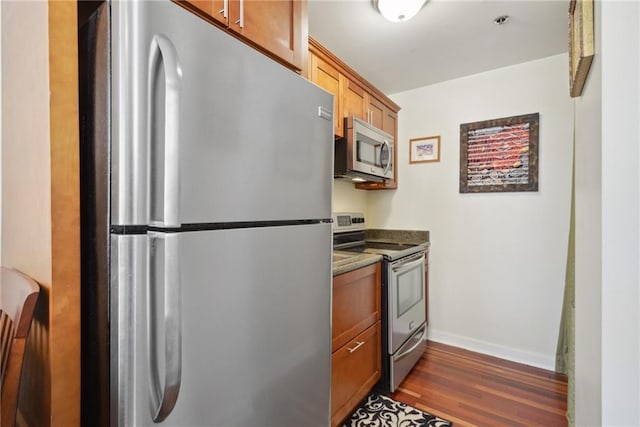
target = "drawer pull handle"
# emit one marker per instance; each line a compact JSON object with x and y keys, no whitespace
{"x":358,"y":345}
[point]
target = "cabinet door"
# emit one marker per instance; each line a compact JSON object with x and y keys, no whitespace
{"x":355,"y":368}
{"x":327,"y":77}
{"x":219,"y":10}
{"x":211,"y":8}
{"x":354,"y":101}
{"x":204,"y":6}
{"x":275,"y":25}
{"x":376,"y":112}
{"x":390,"y":124}
{"x":356,"y":303}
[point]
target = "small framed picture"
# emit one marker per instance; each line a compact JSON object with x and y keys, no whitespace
{"x":426,"y":149}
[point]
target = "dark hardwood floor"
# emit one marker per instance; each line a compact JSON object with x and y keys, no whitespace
{"x":473,"y":389}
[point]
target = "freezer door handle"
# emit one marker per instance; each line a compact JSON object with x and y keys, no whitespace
{"x":163,"y":127}
{"x":165,"y":314}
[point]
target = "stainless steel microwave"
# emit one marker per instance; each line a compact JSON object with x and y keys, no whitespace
{"x":364,"y":154}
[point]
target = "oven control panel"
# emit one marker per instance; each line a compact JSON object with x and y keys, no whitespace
{"x":348,"y":221}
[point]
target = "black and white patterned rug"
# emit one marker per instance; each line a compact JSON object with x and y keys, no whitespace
{"x":382,"y":411}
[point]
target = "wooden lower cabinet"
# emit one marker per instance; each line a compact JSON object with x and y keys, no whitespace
{"x":356,"y":339}
{"x":356,"y":367}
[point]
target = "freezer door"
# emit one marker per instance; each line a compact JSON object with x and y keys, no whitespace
{"x":251,"y":343}
{"x":206,"y":129}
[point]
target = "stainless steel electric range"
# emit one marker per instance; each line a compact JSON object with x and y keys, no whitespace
{"x":404,"y":326}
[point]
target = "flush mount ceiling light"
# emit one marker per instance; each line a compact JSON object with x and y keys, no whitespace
{"x":399,"y":10}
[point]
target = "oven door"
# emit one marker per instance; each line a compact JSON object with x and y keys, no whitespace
{"x":406,"y":309}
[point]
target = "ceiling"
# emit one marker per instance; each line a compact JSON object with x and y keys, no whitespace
{"x":446,"y":40}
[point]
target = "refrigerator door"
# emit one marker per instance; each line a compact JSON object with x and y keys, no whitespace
{"x":220,"y":133}
{"x":253,"y":327}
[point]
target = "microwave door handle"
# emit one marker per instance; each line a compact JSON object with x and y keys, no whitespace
{"x":386,"y":143}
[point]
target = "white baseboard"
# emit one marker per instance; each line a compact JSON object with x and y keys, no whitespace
{"x":528,"y":358}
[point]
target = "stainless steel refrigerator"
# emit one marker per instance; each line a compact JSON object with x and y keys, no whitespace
{"x":206,"y":238}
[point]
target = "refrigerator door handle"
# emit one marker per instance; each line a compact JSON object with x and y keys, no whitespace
{"x":164,"y":131}
{"x":164,"y":285}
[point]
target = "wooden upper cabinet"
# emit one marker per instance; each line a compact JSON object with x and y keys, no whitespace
{"x":277,"y":27}
{"x":390,"y":123}
{"x":354,"y":96}
{"x":328,"y":77}
{"x":211,"y":8}
{"x":376,"y":112}
{"x":218,"y":11}
{"x":355,"y":100}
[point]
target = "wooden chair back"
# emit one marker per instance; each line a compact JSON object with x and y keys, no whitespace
{"x":18,"y":296}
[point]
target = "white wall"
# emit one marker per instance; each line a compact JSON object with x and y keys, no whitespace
{"x":588,"y":313}
{"x":620,"y":47}
{"x":608,"y":224}
{"x":620,"y":214}
{"x":25,"y":138}
{"x":348,"y":199}
{"x":498,"y":260}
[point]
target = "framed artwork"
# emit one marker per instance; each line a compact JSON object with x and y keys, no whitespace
{"x":499,"y":155}
{"x":581,"y":44}
{"x":423,"y":150}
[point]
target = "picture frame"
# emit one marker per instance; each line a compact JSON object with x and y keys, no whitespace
{"x":499,"y":155}
{"x":424,"y":150}
{"x":581,"y":44}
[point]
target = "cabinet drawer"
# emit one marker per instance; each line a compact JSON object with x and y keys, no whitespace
{"x":356,"y":303}
{"x":355,"y":368}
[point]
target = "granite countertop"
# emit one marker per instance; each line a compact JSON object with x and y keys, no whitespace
{"x":348,"y":261}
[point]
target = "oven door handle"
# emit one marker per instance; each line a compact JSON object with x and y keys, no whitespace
{"x":413,"y":347}
{"x":408,"y":265}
